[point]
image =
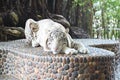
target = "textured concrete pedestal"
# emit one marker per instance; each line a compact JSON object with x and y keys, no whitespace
{"x":26,"y":63}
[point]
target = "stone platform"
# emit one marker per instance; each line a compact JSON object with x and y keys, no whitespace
{"x":19,"y":60}
{"x":111,"y":45}
{"x":7,"y":77}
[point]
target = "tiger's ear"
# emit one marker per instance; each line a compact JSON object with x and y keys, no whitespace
{"x":34,"y":27}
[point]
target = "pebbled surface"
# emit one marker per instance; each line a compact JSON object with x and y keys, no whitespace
{"x":19,"y":46}
{"x":6,"y":77}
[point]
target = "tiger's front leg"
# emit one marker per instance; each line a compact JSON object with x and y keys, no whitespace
{"x":80,"y":47}
{"x":68,"y":50}
{"x":34,"y":43}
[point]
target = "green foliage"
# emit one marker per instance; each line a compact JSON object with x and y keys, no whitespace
{"x":79,"y":2}
{"x":111,"y":8}
{"x":106,"y":14}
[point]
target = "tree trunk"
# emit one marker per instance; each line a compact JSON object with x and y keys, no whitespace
{"x":87,"y":17}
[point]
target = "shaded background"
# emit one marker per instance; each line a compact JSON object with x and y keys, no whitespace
{"x":14,"y":13}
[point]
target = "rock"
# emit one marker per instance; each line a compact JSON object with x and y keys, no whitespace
{"x":80,"y":33}
{"x":75,"y":74}
{"x":11,"y":33}
{"x":66,"y":67}
{"x":62,"y":20}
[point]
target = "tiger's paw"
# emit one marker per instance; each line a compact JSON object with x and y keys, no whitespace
{"x":83,"y":50}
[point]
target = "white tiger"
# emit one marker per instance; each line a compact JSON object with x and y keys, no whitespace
{"x":52,"y":36}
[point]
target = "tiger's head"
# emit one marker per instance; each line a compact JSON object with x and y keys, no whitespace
{"x":56,"y":41}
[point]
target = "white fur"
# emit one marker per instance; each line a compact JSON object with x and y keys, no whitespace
{"x":28,"y":32}
{"x":46,"y":26}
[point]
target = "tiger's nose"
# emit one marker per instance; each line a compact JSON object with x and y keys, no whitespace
{"x":55,"y":49}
